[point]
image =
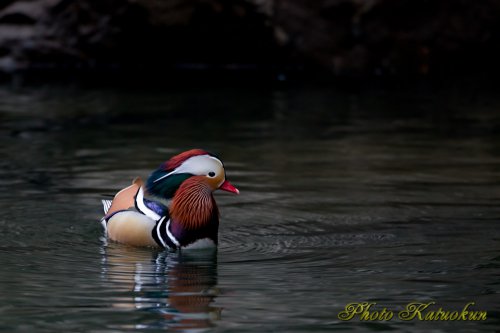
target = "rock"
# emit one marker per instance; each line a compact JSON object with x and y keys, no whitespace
{"x":345,"y":37}
{"x":404,"y":37}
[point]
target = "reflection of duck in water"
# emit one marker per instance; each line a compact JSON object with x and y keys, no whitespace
{"x":178,"y":288}
{"x":138,"y":215}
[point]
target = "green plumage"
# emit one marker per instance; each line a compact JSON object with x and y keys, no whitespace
{"x":166,"y":187}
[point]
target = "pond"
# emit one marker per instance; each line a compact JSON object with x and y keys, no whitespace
{"x":388,"y":196}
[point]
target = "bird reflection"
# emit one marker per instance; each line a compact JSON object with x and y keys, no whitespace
{"x":179,"y":288}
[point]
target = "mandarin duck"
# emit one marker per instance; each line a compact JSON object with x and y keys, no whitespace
{"x":174,"y":209}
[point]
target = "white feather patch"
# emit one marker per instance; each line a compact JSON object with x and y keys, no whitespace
{"x":106,"y":204}
{"x":140,"y":204}
{"x":203,"y":243}
{"x":197,"y":165}
{"x":172,"y":237}
{"x":158,"y":231}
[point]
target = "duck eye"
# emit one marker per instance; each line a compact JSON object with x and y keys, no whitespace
{"x":211,"y":174}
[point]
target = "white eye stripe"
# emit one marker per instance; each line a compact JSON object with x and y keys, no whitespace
{"x":197,"y":165}
{"x":165,"y":176}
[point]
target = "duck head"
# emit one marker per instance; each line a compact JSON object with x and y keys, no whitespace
{"x":205,"y":168}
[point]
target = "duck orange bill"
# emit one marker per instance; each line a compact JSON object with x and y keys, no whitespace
{"x":227,"y":186}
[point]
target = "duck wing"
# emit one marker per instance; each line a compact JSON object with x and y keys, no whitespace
{"x":124,"y":199}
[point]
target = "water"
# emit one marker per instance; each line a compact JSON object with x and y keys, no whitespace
{"x":386,"y":196}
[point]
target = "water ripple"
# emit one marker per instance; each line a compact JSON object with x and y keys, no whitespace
{"x":286,"y":240}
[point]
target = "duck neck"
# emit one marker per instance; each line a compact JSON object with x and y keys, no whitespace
{"x":193,"y":206}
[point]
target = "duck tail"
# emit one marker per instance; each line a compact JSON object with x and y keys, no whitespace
{"x":106,"y":204}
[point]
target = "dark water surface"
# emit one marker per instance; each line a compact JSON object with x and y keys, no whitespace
{"x":381,"y":196}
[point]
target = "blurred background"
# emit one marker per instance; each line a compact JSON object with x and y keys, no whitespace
{"x":272,"y":39}
{"x":364,"y":136}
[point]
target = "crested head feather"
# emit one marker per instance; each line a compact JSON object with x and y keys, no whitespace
{"x":174,"y":162}
{"x":165,"y":181}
